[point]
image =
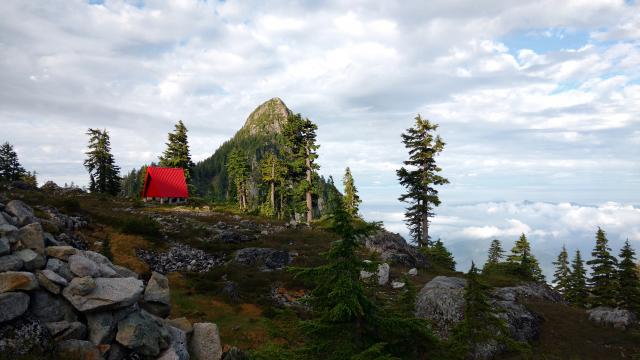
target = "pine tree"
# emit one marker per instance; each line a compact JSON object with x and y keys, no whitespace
{"x":528,"y":265}
{"x":562,"y":275}
{"x":440,"y":255}
{"x":420,"y":176}
{"x":628,"y":279}
{"x":239,"y":169}
{"x":351,"y":198}
{"x":10,"y":168}
{"x":104,"y":174}
{"x":272,"y":170}
{"x":495,"y":256}
{"x":603,"y":281}
{"x":177,"y":152}
{"x":577,"y":293}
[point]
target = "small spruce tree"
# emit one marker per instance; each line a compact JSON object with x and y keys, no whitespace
{"x":351,"y":199}
{"x":628,"y":279}
{"x":273,"y":171}
{"x":10,"y":168}
{"x":526,"y":263}
{"x":440,"y":255}
{"x":104,"y":174}
{"x":603,"y":281}
{"x":239,"y":169}
{"x":495,"y":256}
{"x":562,"y":274}
{"x":177,"y":152}
{"x":577,"y":292}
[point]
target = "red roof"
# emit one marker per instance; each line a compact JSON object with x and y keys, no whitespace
{"x":165,"y":183}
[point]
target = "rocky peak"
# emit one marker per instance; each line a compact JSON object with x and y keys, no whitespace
{"x":268,"y":118}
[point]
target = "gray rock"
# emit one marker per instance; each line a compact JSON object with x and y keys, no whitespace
{"x":78,"y":349}
{"x":141,"y":333}
{"x":102,"y":325}
{"x":32,"y":237}
{"x":205,"y":342}
{"x":13,"y":304}
{"x":181,"y":323}
{"x":122,"y":271}
{"x":10,"y":232}
{"x":383,"y":274}
{"x":442,"y":301}
{"x":25,"y":335}
{"x":30,"y":259}
{"x":109,"y":293}
{"x":83,"y":266}
{"x":235,"y":354}
{"x":5,"y":246}
{"x":47,"y":284}
{"x":11,"y":263}
{"x":17,"y":280}
{"x":617,"y":318}
{"x":61,"y":252}
{"x":394,"y":248}
{"x":21,"y":211}
{"x":413,"y":272}
{"x":50,"y":240}
{"x":397,"y":284}
{"x":82,"y":286}
{"x":50,"y":308}
{"x":528,"y":291}
{"x":264,"y":258}
{"x":178,"y":349}
{"x":61,"y":268}
{"x":64,"y":330}
{"x":55,"y":278}
{"x":157,"y":296}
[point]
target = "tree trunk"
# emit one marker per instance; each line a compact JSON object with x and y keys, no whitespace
{"x":309,"y":199}
{"x":425,"y":230}
{"x":273,"y":186}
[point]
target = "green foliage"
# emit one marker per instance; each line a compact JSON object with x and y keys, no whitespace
{"x":239,"y":169}
{"x":495,"y":256}
{"x":440,"y":255}
{"x":562,"y":274}
{"x":603,"y":281}
{"x":351,"y":199}
{"x":273,"y":173}
{"x":140,"y":225}
{"x":628,"y":279}
{"x":177,"y":152}
{"x":528,"y":268}
{"x":104,"y":174}
{"x":420,"y":176}
{"x":10,"y":168}
{"x":30,"y":178}
{"x":133,"y":182}
{"x":106,"y":248}
{"x":577,"y":292}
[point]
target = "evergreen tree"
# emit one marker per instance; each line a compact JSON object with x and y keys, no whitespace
{"x":628,"y":279}
{"x":333,"y":197}
{"x":527,"y":264}
{"x":273,"y":171}
{"x":577,"y":292}
{"x":177,"y":152}
{"x":10,"y":168}
{"x":30,"y":178}
{"x":562,"y":275}
{"x":238,"y":168}
{"x":351,"y":198}
{"x":420,"y":176}
{"x":440,"y":255}
{"x":495,"y":256}
{"x":603,"y":281}
{"x":104,"y":174}
{"x":346,"y":323}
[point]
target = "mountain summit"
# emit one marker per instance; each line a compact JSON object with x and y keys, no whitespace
{"x":268,"y":118}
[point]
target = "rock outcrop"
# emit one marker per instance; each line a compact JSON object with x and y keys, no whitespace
{"x":393,"y":248}
{"x":616,"y":318}
{"x":265,"y":259}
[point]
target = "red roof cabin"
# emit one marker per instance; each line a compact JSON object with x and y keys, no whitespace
{"x":165,"y":185}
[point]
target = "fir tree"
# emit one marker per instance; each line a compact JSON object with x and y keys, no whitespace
{"x":528,"y":265}
{"x":628,"y":279}
{"x":420,"y":176}
{"x":440,"y":255}
{"x":351,"y":199}
{"x":10,"y":168}
{"x":239,"y":169}
{"x":495,"y":256}
{"x":104,"y":174}
{"x":272,"y":170}
{"x":577,"y":293}
{"x":177,"y":152}
{"x":603,"y":281}
{"x":562,"y":275}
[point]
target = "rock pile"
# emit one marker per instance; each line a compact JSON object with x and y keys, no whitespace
{"x":56,"y":298}
{"x":180,"y":257}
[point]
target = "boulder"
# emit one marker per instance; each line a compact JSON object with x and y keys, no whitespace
{"x":61,"y":252}
{"x":47,"y":284}
{"x":82,"y":266}
{"x":617,"y":318}
{"x":141,"y":333}
{"x":102,"y":325}
{"x":528,"y":291}
{"x":442,"y":301}
{"x":108,"y":294}
{"x":17,"y":280}
{"x":265,"y":259}
{"x":122,"y":271}
{"x":205,"y":342}
{"x":55,"y":278}
{"x":11,"y":263}
{"x":10,"y":232}
{"x":397,"y":284}
{"x":25,"y":335}
{"x":157,"y":297}
{"x":13,"y":304}
{"x":32,"y":237}
{"x":394,"y":248}
{"x":30,"y":259}
{"x":5,"y":246}
{"x":61,"y":268}
{"x":383,"y":274}
{"x":64,"y":330}
{"x":178,"y":348}
{"x":50,"y":308}
{"x":78,"y":349}
{"x":22,"y":212}
{"x":413,"y":272}
{"x":181,"y":323}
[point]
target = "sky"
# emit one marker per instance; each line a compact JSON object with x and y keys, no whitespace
{"x":538,"y":101}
